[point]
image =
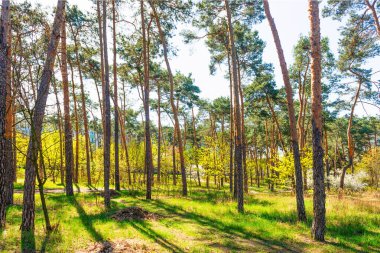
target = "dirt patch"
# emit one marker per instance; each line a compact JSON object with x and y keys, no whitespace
{"x":134,"y":213}
{"x":119,"y":246}
{"x":113,"y":194}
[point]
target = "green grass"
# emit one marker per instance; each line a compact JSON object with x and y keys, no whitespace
{"x":206,"y":221}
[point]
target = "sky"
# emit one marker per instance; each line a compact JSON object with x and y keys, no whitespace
{"x":291,"y":18}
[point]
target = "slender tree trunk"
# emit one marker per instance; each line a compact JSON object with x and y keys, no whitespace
{"x":9,"y":121}
{"x":231,"y":176}
{"x":159,"y":133}
{"x":59,"y":114}
{"x":116,"y":130}
{"x":148,"y":142}
{"x":238,"y":127}
{"x":244,"y":139}
{"x":4,"y":29}
{"x":292,"y":119}
{"x":69,"y":161}
{"x":84,"y":112}
{"x":76,"y":169}
{"x":100,"y":29}
{"x":319,"y":209}
{"x":174,"y":107}
{"x":174,"y":160}
{"x":195,"y":144}
{"x":107,"y":115}
{"x":38,"y":115}
{"x":123,"y":135}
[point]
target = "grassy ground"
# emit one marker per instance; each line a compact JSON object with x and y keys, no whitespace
{"x":206,"y":221}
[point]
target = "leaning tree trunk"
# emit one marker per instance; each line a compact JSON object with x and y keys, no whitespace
{"x":319,"y":209}
{"x":238,"y":127}
{"x":292,"y":118}
{"x":148,"y":141}
{"x":4,"y":29}
{"x":116,"y":130}
{"x":107,"y":114}
{"x":38,"y":116}
{"x":69,"y":161}
{"x":174,"y":107}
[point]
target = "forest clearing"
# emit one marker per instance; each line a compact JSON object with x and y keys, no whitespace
{"x":189,"y":126}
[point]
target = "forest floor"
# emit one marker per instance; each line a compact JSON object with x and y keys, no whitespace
{"x":205,"y":221}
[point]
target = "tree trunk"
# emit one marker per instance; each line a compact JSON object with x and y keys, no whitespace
{"x":69,"y":161}
{"x":195,"y":144}
{"x":238,"y":127}
{"x":116,"y":130}
{"x":9,"y":122}
{"x":174,"y":107}
{"x":76,"y":169}
{"x":319,"y":209}
{"x":84,"y":112}
{"x":148,"y":142}
{"x":231,"y":176}
{"x":4,"y":29}
{"x":292,"y":119}
{"x":38,"y":116}
{"x":59,"y":117}
{"x":107,"y":115}
{"x":101,"y":56}
{"x":159,"y":133}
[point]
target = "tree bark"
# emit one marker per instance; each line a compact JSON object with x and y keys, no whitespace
{"x":292,"y":119}
{"x":238,"y":126}
{"x":148,"y":141}
{"x":174,"y":107}
{"x":4,"y":30}
{"x":9,"y":121}
{"x":116,"y":106}
{"x":76,"y":169}
{"x":69,"y":161}
{"x":28,"y":210}
{"x":107,"y":114}
{"x":101,"y":55}
{"x":159,"y":133}
{"x":319,"y":209}
{"x":84,"y":112}
{"x":59,"y":117}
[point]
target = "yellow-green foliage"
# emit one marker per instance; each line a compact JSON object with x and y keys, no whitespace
{"x":214,"y":156}
{"x":370,"y":163}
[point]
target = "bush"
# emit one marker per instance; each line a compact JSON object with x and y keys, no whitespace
{"x":352,"y":182}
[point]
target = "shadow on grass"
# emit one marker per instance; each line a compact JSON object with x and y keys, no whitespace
{"x":77,"y":187}
{"x":144,"y":228}
{"x":86,"y":220}
{"x":87,"y":223}
{"x":28,"y":242}
{"x":230,"y":229}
